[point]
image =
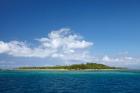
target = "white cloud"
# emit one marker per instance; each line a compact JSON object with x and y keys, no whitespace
{"x":106,"y":58}
{"x":119,"y":61}
{"x":110,"y":59}
{"x":61,"y":44}
{"x":67,"y":47}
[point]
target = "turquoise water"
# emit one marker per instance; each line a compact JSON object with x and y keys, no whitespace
{"x":69,"y":82}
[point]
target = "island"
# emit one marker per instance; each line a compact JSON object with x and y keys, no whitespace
{"x":87,"y":66}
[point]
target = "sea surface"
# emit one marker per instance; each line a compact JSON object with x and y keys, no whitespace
{"x":69,"y":82}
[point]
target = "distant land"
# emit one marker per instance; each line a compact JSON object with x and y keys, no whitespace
{"x":87,"y":66}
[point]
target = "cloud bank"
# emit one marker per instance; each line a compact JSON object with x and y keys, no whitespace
{"x":119,"y":61}
{"x":62,"y":44}
{"x":62,"y":47}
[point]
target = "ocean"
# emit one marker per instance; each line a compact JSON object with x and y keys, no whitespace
{"x":69,"y":82}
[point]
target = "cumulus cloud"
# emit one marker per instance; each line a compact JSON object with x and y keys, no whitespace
{"x":60,"y":43}
{"x":64,"y":46}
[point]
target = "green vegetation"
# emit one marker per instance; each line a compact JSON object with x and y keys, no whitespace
{"x":74,"y":67}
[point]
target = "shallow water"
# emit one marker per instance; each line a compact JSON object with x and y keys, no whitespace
{"x":69,"y":82}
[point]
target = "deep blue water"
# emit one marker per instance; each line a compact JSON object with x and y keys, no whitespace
{"x":69,"y":82}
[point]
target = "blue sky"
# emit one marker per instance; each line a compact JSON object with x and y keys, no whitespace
{"x":111,"y":25}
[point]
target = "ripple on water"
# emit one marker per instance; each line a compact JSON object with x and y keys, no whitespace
{"x":69,"y":82}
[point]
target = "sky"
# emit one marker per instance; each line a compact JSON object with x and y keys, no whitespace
{"x":60,"y":32}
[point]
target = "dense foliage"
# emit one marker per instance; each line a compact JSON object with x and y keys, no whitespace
{"x":74,"y":67}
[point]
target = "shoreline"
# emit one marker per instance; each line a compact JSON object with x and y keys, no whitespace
{"x":68,"y":69}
